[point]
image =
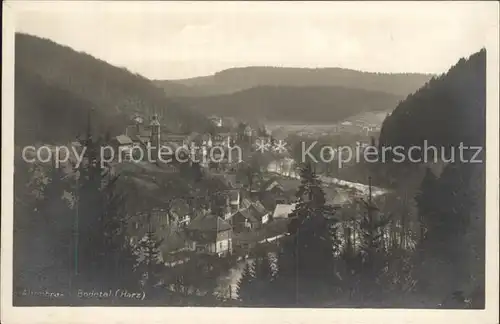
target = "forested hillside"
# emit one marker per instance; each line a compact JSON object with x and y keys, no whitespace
{"x":55,"y":86}
{"x":448,"y":110}
{"x":237,"y":79}
{"x":294,"y":104}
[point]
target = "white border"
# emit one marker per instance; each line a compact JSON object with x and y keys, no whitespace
{"x":10,"y":314}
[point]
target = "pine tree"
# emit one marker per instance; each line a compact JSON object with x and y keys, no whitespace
{"x":246,"y":288}
{"x":263,"y":277}
{"x":102,"y":254}
{"x":25,"y":222}
{"x":43,"y":226}
{"x":455,"y":204}
{"x":426,"y":199}
{"x":373,"y":248}
{"x":150,"y":263}
{"x":118,"y":255}
{"x":55,"y":213}
{"x":251,"y":172}
{"x":443,"y":250}
{"x":307,"y":259}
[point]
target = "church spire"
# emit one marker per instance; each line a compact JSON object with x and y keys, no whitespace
{"x":154,"y":120}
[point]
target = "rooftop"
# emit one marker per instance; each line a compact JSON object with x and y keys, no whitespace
{"x":284,"y":184}
{"x":123,"y":140}
{"x":248,"y":214}
{"x":209,"y":223}
{"x":283,"y":210}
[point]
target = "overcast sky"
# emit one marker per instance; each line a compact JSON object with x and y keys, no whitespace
{"x":173,"y":41}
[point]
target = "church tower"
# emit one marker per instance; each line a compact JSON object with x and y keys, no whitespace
{"x":155,"y":137}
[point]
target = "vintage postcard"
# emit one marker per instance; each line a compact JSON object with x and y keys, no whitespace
{"x":284,"y":162}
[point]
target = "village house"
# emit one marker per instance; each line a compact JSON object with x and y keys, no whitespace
{"x":250,"y":216}
{"x":277,"y":191}
{"x":211,"y":234}
{"x":139,"y":134}
{"x":152,"y":136}
{"x":122,"y":147}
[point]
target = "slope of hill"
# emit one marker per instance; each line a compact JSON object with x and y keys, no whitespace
{"x":177,"y":89}
{"x":237,"y":79}
{"x":293,"y":104}
{"x":56,"y":86}
{"x":448,"y":110}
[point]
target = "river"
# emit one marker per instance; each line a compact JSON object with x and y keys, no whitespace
{"x":228,"y":284}
{"x":285,"y":167}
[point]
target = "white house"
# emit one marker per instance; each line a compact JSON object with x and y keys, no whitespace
{"x":211,"y":234}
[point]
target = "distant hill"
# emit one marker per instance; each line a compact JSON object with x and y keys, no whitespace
{"x":293,"y":104}
{"x":56,"y":86}
{"x":238,"y":79}
{"x":177,"y":89}
{"x":447,"y":110}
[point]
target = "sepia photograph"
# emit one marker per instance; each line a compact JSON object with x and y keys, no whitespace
{"x":250,"y":155}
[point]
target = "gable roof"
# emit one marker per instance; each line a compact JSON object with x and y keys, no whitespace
{"x":257,"y":212}
{"x":271,"y":184}
{"x":259,"y":207}
{"x":283,"y":184}
{"x":247,"y":214}
{"x":209,"y":223}
{"x":123,"y":140}
{"x":245,"y":203}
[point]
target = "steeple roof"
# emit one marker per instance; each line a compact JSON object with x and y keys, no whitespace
{"x":154,"y":120}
